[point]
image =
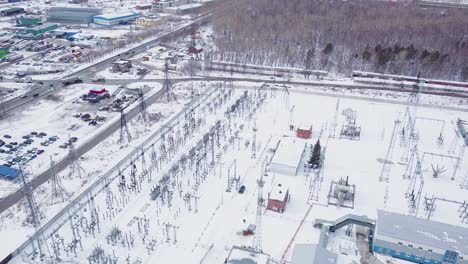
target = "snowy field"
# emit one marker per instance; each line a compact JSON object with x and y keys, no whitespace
{"x":194,"y":218}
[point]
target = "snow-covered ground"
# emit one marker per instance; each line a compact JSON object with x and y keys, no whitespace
{"x":205,"y":221}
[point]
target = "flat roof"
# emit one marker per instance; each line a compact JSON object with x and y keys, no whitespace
{"x":240,"y":255}
{"x":422,"y":231}
{"x":278,"y":191}
{"x":121,"y":62}
{"x":312,"y":254}
{"x":8,"y":172}
{"x":289,"y":152}
{"x":115,"y":16}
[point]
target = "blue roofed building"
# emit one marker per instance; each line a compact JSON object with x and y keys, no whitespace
{"x":9,"y":173}
{"x":116,"y":18}
{"x":420,"y":240}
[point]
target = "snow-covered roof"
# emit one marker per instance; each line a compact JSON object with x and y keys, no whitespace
{"x":422,"y":231}
{"x":120,"y":15}
{"x":240,"y":255}
{"x":278,"y":192}
{"x":289,"y":152}
{"x":121,"y":62}
{"x":312,"y":254}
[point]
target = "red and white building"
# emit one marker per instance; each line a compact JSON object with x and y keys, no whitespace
{"x":278,"y":198}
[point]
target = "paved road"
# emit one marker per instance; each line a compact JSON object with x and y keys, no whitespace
{"x":107,"y":130}
{"x":44,"y":89}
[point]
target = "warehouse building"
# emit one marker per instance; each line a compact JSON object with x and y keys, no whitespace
{"x":116,"y":19}
{"x":278,"y":198}
{"x":288,"y":156}
{"x":162,"y":4}
{"x":312,"y":254}
{"x":72,"y":15}
{"x":29,"y":21}
{"x":419,"y":240}
{"x":12,"y":11}
{"x":39,"y":30}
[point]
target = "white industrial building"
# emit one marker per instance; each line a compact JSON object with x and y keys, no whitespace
{"x":241,"y":255}
{"x":288,"y":156}
{"x":312,"y":254}
{"x":116,"y":18}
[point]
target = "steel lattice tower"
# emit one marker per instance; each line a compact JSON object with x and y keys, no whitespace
{"x":167,"y":85}
{"x":75,"y":165}
{"x":124,"y":128}
{"x":144,"y":113}
{"x":58,"y":191}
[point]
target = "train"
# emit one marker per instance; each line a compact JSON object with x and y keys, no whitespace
{"x":278,"y":71}
{"x":401,"y":78}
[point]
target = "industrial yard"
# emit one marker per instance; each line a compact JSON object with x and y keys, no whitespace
{"x":127,"y":137}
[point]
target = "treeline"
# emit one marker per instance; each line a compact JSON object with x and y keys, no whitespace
{"x":338,"y":36}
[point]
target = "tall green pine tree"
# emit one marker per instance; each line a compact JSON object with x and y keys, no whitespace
{"x":315,"y":158}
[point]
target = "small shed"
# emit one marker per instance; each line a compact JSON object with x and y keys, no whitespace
{"x":304,"y":131}
{"x":278,"y":198}
{"x":9,"y":173}
{"x":288,"y":156}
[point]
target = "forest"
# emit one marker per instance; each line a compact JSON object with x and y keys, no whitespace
{"x":342,"y":36}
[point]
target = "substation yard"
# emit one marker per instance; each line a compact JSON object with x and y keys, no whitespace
{"x":176,"y":199}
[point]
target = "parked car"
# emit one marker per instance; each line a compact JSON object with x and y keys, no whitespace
{"x":26,"y":137}
{"x":73,"y":139}
{"x":43,"y":134}
{"x":6,"y":136}
{"x":14,"y":143}
{"x":34,"y":133}
{"x":40,"y":151}
{"x":35,"y":95}
{"x":242,"y":189}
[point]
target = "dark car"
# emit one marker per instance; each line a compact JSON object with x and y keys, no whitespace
{"x":2,"y":151}
{"x":242,"y":189}
{"x":40,"y":151}
{"x":42,"y":134}
{"x":73,"y":139}
{"x":35,"y":95}
{"x":34,"y":133}
{"x":8,"y":146}
{"x":6,"y":136}
{"x":26,"y":137}
{"x":14,"y":143}
{"x":24,"y":96}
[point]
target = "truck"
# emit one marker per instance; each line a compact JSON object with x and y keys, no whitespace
{"x":71,"y":80}
{"x":14,"y":57}
{"x":98,"y":79}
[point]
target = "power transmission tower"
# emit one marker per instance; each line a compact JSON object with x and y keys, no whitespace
{"x":387,"y":162}
{"x":257,"y":241}
{"x":144,"y":113}
{"x":167,"y":85}
{"x":254,"y":141}
{"x":75,"y":165}
{"x":124,"y":128}
{"x":58,"y":192}
{"x":34,"y":214}
{"x":335,"y":119}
